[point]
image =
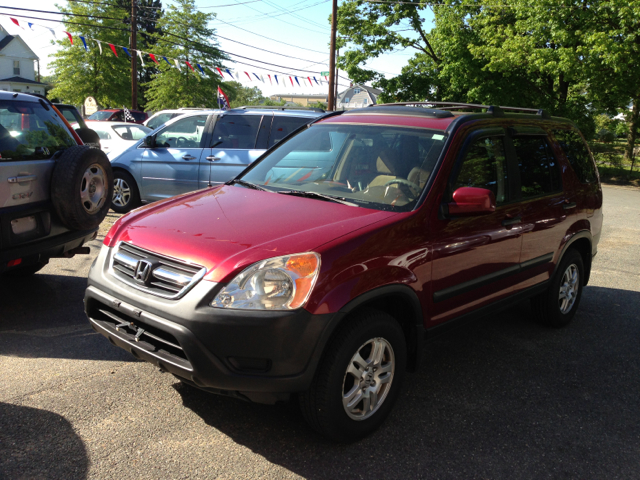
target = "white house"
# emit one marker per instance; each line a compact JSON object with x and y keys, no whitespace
{"x":357,"y":96}
{"x":17,"y":72}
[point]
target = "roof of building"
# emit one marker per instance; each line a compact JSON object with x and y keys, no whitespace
{"x":21,"y":80}
{"x":5,"y":41}
{"x":373,"y":92}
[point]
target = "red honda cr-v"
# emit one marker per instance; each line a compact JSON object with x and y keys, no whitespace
{"x":321,"y":269}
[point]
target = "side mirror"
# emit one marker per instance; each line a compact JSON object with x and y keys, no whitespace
{"x":469,"y":201}
{"x":149,"y":141}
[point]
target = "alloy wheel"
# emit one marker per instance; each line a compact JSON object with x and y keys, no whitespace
{"x":569,"y":288}
{"x":121,"y":192}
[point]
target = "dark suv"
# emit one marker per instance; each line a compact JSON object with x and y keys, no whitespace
{"x":322,"y":268}
{"x":54,"y":191}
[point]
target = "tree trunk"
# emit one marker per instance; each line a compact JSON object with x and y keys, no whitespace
{"x":632,"y":122}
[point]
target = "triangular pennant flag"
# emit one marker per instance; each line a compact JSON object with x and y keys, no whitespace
{"x":126,"y":50}
{"x":113,"y":49}
{"x":291,"y":80}
{"x":256,"y":75}
{"x":297,"y":81}
{"x":201,"y":70}
{"x":262,"y":78}
{"x":167,"y":60}
{"x":18,"y":24}
{"x":189,"y":65}
{"x":326,"y":79}
{"x":99,"y":45}
{"x":248,"y":76}
{"x":270,"y":81}
{"x":310,"y":83}
{"x":30,"y":25}
{"x":175,"y":60}
{"x":229,"y":72}
{"x":70,"y":37}
{"x":220,"y":72}
{"x":316,"y":80}
{"x":85,"y":44}
{"x":276,"y":77}
{"x":153,"y":57}
{"x":52,"y":32}
{"x":141,"y":59}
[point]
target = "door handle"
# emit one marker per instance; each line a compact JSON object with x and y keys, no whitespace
{"x":188,"y":157}
{"x":22,"y":178}
{"x":511,"y":220}
{"x":569,"y":205}
{"x":212,"y":158}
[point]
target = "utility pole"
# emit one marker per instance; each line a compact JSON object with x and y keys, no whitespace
{"x":134,"y":55}
{"x":335,"y":85}
{"x":332,"y":56}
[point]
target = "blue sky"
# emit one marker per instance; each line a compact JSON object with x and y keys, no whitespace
{"x":296,"y":28}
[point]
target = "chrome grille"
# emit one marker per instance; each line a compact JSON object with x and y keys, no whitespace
{"x":153,"y":273}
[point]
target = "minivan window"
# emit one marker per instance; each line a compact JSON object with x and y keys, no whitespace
{"x":29,"y":132}
{"x":131,"y":132}
{"x":283,"y":126}
{"x":161,"y":119}
{"x":577,"y":153}
{"x":237,"y":131}
{"x":485,"y":166}
{"x":184,"y":133}
{"x":539,"y":171}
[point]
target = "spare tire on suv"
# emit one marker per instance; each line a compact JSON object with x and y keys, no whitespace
{"x":82,"y":187}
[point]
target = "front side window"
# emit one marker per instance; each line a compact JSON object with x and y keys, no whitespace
{"x":577,"y":153}
{"x":184,"y":133}
{"x":377,"y":167}
{"x":237,"y":131}
{"x":485,"y":166}
{"x":539,"y":172}
{"x":29,"y":132}
{"x":131,"y":132}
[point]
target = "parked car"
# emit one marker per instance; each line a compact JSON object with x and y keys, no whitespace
{"x":115,"y":137}
{"x":117,"y":115}
{"x":54,"y":191}
{"x":163,"y":116}
{"x":322,"y":268}
{"x":197,"y":149}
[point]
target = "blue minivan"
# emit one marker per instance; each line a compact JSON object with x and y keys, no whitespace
{"x":198,"y":149}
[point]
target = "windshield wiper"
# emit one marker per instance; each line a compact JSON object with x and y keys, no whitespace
{"x":330,"y":198}
{"x":244,"y":183}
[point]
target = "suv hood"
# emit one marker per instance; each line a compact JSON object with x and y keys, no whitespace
{"x":228,"y":228}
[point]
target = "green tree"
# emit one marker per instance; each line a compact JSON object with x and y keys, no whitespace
{"x":240,"y":95}
{"x":186,"y":37}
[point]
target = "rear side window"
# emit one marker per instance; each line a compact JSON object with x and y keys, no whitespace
{"x":485,"y":166}
{"x":577,"y":153}
{"x":29,"y":132}
{"x":539,"y":171}
{"x":237,"y":131}
{"x":283,"y":126}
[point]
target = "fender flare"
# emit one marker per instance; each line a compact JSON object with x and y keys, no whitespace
{"x":577,"y":236}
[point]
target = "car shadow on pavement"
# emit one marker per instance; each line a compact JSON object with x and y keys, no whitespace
{"x":501,"y":398}
{"x":39,"y":444}
{"x":43,"y":316}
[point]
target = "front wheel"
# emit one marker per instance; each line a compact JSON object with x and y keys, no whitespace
{"x":126,"y":195}
{"x":557,"y":306}
{"x":359,"y":378}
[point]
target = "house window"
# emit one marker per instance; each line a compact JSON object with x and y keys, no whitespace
{"x":16,"y":67}
{"x":346,"y":100}
{"x":356,"y":91}
{"x":365,"y":101}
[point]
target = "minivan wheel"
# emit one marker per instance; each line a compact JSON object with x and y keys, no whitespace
{"x":557,"y":306}
{"x":358,"y":379}
{"x":126,"y":195}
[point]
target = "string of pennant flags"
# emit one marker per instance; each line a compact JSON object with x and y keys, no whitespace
{"x":233,"y":74}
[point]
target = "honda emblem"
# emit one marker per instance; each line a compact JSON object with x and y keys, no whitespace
{"x":142,"y":271}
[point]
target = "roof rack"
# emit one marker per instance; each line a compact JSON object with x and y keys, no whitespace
{"x":268,"y":107}
{"x":495,"y":110}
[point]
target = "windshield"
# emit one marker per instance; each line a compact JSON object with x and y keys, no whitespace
{"x":101,"y":115}
{"x":29,"y":132}
{"x":378,"y":167}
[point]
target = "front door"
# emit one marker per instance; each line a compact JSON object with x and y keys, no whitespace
{"x":172,"y":166}
{"x":235,"y":139}
{"x":474,"y":257}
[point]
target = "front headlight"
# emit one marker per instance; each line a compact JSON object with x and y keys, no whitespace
{"x":280,"y":283}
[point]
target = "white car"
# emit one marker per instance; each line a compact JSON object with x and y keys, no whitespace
{"x":163,"y":116}
{"x":116,"y":137}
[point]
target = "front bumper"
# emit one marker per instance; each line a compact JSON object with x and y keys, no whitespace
{"x":259,"y":355}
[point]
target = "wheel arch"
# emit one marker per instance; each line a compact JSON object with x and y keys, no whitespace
{"x":581,"y":242}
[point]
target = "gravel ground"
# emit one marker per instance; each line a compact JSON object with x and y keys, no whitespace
{"x":501,"y":398}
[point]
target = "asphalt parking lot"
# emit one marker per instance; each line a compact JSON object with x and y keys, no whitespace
{"x":501,"y":398}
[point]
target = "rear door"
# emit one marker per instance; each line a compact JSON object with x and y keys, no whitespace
{"x":235,"y":137}
{"x":172,"y":167}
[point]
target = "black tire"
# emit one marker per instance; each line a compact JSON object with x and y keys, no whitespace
{"x":27,"y":271}
{"x":82,"y":187}
{"x":548,"y":307}
{"x":322,"y":405}
{"x":120,"y":203}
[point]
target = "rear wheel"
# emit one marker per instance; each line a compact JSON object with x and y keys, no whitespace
{"x":359,"y":378}
{"x":557,"y":306}
{"x":126,"y":195}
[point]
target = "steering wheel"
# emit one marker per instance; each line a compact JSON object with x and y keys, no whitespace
{"x":414,"y":189}
{"x":181,"y":142}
